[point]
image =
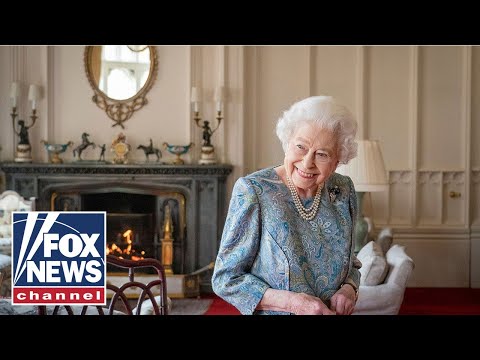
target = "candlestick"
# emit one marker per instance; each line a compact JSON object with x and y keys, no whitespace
{"x":20,"y":127}
{"x":207,"y":156}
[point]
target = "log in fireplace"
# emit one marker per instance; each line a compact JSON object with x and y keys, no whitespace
{"x":136,"y":197}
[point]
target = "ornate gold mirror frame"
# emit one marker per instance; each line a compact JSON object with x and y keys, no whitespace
{"x":120,"y":110}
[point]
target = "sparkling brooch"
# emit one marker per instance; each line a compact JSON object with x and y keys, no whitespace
{"x":333,"y":192}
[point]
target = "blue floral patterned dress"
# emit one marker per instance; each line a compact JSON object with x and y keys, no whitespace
{"x":266,"y":244}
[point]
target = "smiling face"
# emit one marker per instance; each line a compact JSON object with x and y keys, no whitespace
{"x":311,"y":158}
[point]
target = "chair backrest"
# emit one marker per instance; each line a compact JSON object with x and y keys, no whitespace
{"x":119,"y":296}
{"x":12,"y":201}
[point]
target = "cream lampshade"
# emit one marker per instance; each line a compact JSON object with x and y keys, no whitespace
{"x":368,"y":174}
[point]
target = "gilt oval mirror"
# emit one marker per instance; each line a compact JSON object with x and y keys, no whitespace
{"x":121,"y":76}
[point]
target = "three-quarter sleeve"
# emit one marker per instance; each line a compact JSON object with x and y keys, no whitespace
{"x":231,"y":279}
{"x":355,"y":264}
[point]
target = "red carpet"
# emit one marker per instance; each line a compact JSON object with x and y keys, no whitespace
{"x":441,"y":301}
{"x":417,"y":301}
{"x":220,"y":307}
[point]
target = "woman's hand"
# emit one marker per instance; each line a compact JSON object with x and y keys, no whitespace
{"x":304,"y":304}
{"x":343,"y":301}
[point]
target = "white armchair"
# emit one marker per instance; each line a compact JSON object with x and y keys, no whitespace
{"x":387,"y":297}
{"x":9,"y":201}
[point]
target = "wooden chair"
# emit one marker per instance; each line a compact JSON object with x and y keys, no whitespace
{"x":119,"y":298}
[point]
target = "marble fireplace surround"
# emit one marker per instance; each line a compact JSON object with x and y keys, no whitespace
{"x":202,"y":186}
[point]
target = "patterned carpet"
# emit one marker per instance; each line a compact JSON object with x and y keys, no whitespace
{"x":190,"y":306}
{"x":6,"y":308}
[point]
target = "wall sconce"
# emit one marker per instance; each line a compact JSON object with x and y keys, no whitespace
{"x":23,"y":153}
{"x":207,"y":155}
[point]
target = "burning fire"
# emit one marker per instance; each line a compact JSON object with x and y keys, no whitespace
{"x":129,"y":251}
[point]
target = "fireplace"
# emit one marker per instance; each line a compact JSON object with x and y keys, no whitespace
{"x":137,"y":222}
{"x":131,"y":222}
{"x":139,"y":198}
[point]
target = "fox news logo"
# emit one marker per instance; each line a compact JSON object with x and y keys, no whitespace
{"x":59,"y":258}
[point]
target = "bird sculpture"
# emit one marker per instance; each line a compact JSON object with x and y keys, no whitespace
{"x":178,"y":150}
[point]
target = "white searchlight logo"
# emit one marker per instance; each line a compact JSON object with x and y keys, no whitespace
{"x":59,"y":258}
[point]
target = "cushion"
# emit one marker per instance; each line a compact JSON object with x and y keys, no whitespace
{"x":4,"y":216}
{"x":5,"y":261}
{"x":385,"y":239}
{"x":374,"y":265}
{"x":5,"y":231}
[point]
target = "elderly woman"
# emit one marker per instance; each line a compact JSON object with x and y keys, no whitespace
{"x":287,"y":246}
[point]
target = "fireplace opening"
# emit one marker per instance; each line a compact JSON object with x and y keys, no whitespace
{"x":141,"y":225}
{"x":131,"y":223}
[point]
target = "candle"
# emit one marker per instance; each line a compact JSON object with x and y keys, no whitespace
{"x":195,"y":95}
{"x":14,"y":93}
{"x":195,"y":98}
{"x":33,"y":94}
{"x":219,"y":97}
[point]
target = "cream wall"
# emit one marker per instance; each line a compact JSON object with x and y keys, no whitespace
{"x":67,"y":109}
{"x":419,"y":102}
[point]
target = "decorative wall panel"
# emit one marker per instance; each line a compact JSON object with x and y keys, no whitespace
{"x":441,"y":141}
{"x":400,"y":197}
{"x":430,"y":197}
{"x":475,"y":195}
{"x":453,"y":198}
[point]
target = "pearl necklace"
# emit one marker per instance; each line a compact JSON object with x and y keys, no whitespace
{"x":306,"y":214}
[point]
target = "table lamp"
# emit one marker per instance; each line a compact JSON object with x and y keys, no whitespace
{"x":368,"y":174}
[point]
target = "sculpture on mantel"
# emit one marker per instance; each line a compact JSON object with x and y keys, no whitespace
{"x":102,"y":152}
{"x":85,"y":143}
{"x":23,"y":153}
{"x":150,"y":150}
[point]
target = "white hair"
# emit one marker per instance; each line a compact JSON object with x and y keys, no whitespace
{"x":322,"y":111}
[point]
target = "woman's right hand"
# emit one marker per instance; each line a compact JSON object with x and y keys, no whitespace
{"x":305,"y":304}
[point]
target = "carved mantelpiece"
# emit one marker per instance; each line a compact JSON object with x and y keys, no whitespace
{"x":202,"y":186}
